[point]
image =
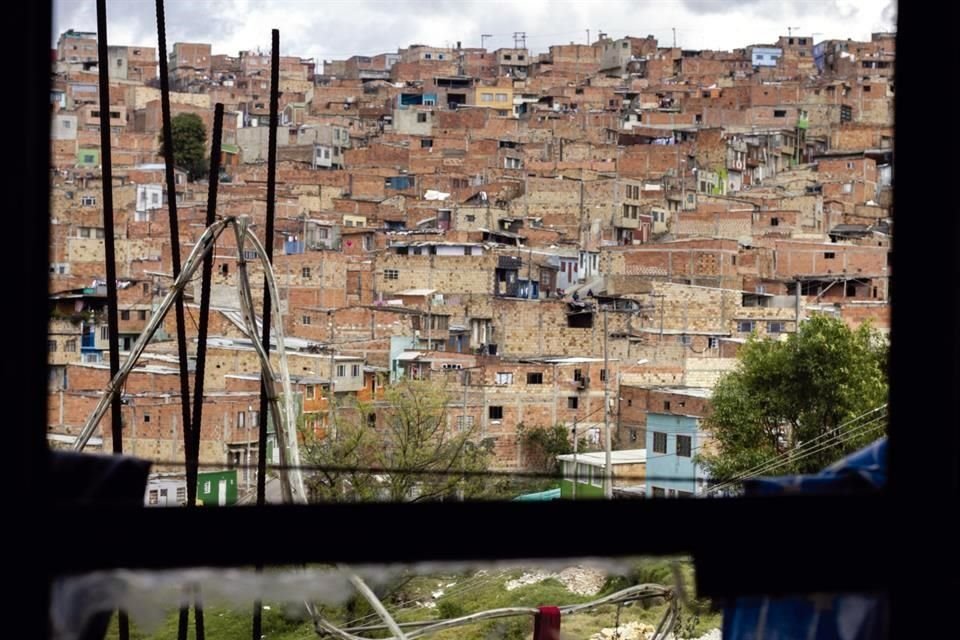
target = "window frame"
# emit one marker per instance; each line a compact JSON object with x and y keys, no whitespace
{"x":824,"y":563}
{"x":658,"y":438}
{"x":688,"y":447}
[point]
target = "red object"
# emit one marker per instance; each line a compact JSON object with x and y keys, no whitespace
{"x":546,"y":625}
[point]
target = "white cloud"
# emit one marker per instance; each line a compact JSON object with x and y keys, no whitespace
{"x":340,"y":28}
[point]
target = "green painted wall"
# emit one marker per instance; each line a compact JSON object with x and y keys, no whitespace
{"x":208,"y":487}
{"x":583,"y":490}
{"x":84,"y":157}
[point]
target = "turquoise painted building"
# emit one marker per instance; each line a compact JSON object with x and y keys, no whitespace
{"x":672,"y":442}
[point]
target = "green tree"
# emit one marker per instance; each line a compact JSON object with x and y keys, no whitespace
{"x":542,"y":445}
{"x":784,"y":394}
{"x":422,"y":454}
{"x":189,"y":144}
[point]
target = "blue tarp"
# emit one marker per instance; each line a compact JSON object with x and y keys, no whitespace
{"x":851,"y":616}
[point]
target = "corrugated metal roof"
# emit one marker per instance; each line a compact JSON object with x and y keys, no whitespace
{"x":598,"y":458}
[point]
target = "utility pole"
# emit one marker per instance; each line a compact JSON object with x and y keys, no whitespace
{"x":574,"y":485}
{"x":483,"y":37}
{"x":682,"y":171}
{"x":429,"y":322}
{"x":588,"y":37}
{"x":674,"y":37}
{"x":530,"y":274}
{"x":608,"y":441}
{"x":330,"y":396}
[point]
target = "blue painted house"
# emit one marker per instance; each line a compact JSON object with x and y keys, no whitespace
{"x":672,"y":442}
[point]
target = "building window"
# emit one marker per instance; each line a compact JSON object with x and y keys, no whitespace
{"x":125,"y":314}
{"x":775,"y":327}
{"x":603,"y":375}
{"x":104,"y":332}
{"x":495,"y":412}
{"x":573,"y":402}
{"x":390,"y":274}
{"x":684,"y":446}
{"x":426,"y":143}
{"x":666,"y":405}
{"x":421,"y":117}
{"x":535,"y":378}
{"x":486,"y":97}
{"x":309,"y":392}
{"x":51,"y":345}
{"x":774,"y":222}
{"x":745,"y":326}
{"x":685,"y":340}
{"x":305,"y":272}
{"x":713,"y":343}
{"x":152,"y":496}
{"x":779,"y":113}
{"x":596,"y":476}
{"x":829,"y":255}
{"x":254,"y":420}
{"x":577,"y":375}
{"x":501,"y":97}
{"x":504,"y":378}
{"x":464,"y":423}
{"x":659,"y":442}
{"x":142,"y":314}
{"x":146,"y":418}
{"x":355,"y":371}
{"x":70,"y":346}
{"x":241,"y":420}
{"x":88,"y":201}
{"x":304,"y":319}
{"x":633,"y":435}
{"x":341,"y":371}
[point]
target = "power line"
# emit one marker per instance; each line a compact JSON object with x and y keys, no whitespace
{"x":424,"y":472}
{"x":799,"y":453}
{"x":802,"y":447}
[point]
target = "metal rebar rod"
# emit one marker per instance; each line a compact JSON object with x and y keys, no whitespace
{"x":192,"y":453}
{"x":106,"y":179}
{"x":169,"y":162}
{"x":270,"y":211}
{"x":271,"y":197}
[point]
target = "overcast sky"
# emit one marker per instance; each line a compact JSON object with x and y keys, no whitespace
{"x":334,"y":29}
